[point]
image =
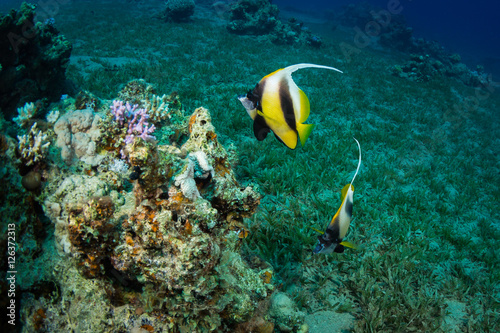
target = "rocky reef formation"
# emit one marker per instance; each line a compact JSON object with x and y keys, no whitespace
{"x":433,"y":61}
{"x":145,"y":236}
{"x":260,"y":17}
{"x":178,"y":10}
{"x":285,"y":313}
{"x":33,"y":60}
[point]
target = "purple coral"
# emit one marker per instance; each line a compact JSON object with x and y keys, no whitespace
{"x":138,"y":126}
{"x":122,"y":112}
{"x":136,"y":119}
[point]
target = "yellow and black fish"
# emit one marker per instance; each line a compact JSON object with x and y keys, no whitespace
{"x":332,"y":239}
{"x":277,"y":104}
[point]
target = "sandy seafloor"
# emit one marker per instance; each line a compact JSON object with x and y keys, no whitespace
{"x":427,"y":200}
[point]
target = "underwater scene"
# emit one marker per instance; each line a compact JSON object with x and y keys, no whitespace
{"x":245,"y":166}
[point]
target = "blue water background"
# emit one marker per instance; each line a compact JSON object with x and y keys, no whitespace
{"x":470,"y":28}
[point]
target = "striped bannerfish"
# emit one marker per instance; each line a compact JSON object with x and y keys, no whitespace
{"x":332,"y":239}
{"x":277,"y":104}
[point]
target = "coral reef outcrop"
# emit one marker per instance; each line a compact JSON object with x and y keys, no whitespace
{"x":438,"y":63}
{"x":153,"y":231}
{"x":33,"y":60}
{"x":253,"y":17}
{"x":423,"y":68}
{"x":178,"y":10}
{"x":260,"y":17}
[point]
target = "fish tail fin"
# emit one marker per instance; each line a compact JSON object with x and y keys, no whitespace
{"x":293,"y":68}
{"x":304,"y":131}
{"x":305,"y":107}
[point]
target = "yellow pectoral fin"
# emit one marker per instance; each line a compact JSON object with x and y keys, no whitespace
{"x":321,"y":232}
{"x":349,"y":245}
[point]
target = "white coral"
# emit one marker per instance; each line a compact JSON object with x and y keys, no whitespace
{"x":118,"y":166}
{"x":157,"y":108}
{"x":187,"y":183}
{"x":32,"y":146}
{"x":197,"y":167}
{"x":52,"y":116}
{"x":200,"y":157}
{"x":25,"y":113}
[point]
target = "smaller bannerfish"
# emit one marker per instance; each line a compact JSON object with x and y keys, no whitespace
{"x":332,"y":239}
{"x":277,"y":104}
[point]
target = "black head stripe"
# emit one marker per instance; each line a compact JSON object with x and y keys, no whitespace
{"x":324,"y":241}
{"x":287,"y":103}
{"x":256,"y":94}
